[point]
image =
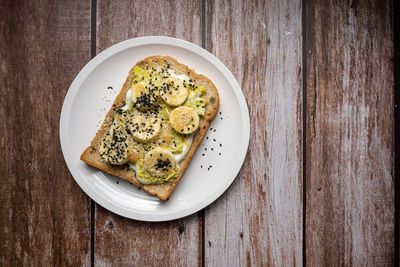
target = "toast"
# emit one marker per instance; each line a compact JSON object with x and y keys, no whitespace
{"x":92,"y":154}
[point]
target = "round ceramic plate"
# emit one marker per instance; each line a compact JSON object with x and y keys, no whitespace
{"x":216,"y":162}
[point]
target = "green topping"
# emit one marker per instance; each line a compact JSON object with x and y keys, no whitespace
{"x":197,"y":103}
{"x":163,"y":112}
{"x":155,"y":78}
{"x":140,"y":75}
{"x":146,"y":177}
{"x":176,"y":145}
{"x":200,"y":90}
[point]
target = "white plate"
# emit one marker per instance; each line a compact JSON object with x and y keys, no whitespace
{"x":86,"y":104}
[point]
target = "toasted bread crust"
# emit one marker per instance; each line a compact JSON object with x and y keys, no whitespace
{"x":91,"y":154}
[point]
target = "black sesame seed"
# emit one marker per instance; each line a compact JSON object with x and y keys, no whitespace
{"x":220,"y":145}
{"x":201,"y":166}
{"x":203,"y":154}
{"x":212,"y":149}
{"x":207,"y":137}
{"x":214,"y":140}
{"x":219,"y":153}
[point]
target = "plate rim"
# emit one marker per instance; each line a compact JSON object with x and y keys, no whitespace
{"x":101,"y":57}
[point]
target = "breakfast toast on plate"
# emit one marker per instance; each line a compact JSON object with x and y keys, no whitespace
{"x":155,"y":125}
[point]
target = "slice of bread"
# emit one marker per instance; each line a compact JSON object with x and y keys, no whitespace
{"x":91,"y":155}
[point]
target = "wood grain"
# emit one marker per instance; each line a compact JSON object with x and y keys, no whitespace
{"x":44,"y":216}
{"x":258,"y":221}
{"x":123,"y":242}
{"x":350,"y":192}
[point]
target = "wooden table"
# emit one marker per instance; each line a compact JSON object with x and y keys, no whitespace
{"x":318,"y":183}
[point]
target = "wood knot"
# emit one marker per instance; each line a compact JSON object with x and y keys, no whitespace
{"x":109,"y":225}
{"x":181,"y":228}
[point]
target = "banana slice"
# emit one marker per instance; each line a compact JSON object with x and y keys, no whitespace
{"x":145,"y":95}
{"x":173,"y":91}
{"x":144,"y":128}
{"x":184,"y":120}
{"x":114,"y":147}
{"x":159,"y":162}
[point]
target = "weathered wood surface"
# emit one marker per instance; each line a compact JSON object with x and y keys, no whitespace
{"x":349,"y":136}
{"x":124,"y":242}
{"x":44,"y":215}
{"x":258,"y":221}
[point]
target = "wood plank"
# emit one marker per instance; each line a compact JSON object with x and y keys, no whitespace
{"x":258,"y":221}
{"x":349,"y":141}
{"x":396,"y":97}
{"x":44,"y":216}
{"x":124,"y":242}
